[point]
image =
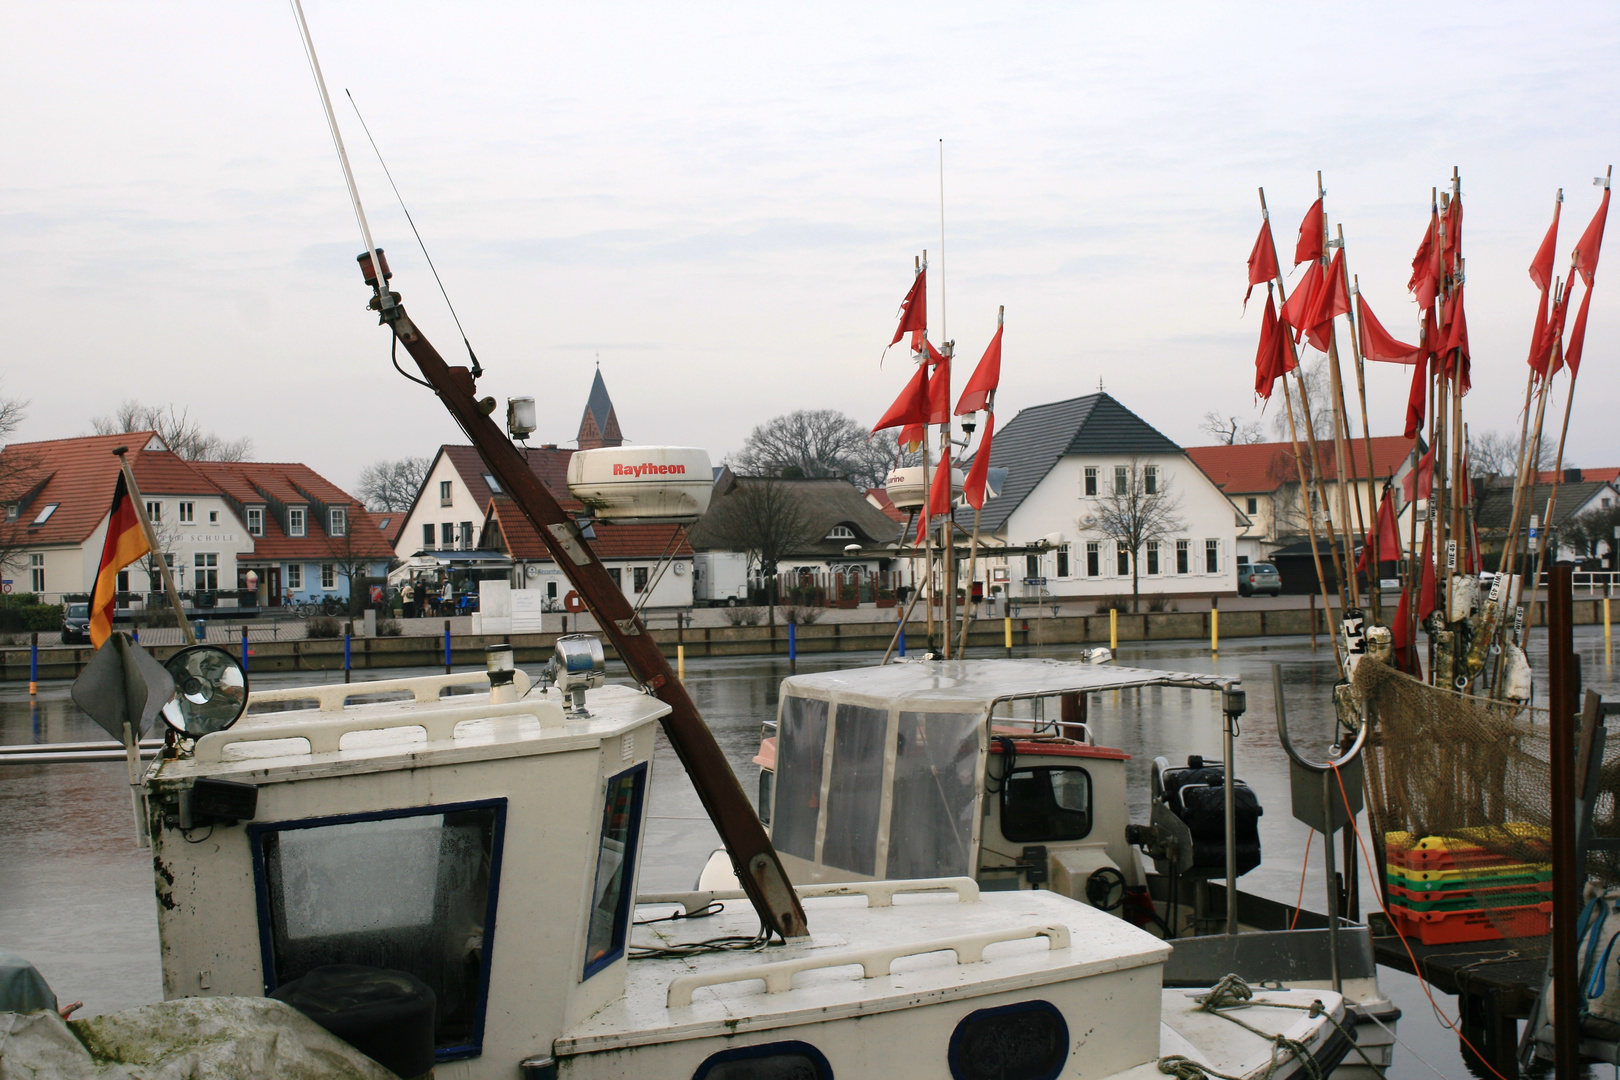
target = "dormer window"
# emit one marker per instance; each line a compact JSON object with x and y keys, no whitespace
{"x":841,"y":532}
{"x":339,"y":521}
{"x":295,"y":521}
{"x":13,"y":511}
{"x":255,"y":521}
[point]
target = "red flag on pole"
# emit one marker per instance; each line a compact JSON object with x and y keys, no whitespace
{"x":986,"y":377}
{"x":939,"y":495}
{"x":1262,"y":260}
{"x":1425,"y":280}
{"x":922,"y":344}
{"x":1457,"y":363}
{"x":1416,"y":397}
{"x":974,"y":488}
{"x":1389,"y":535}
{"x":1377,"y":343}
{"x":1332,"y":299}
{"x":1271,"y":362}
{"x":939,"y":392}
{"x":1448,"y":257}
{"x":1541,"y":267}
{"x":126,"y":542}
{"x":1577,"y":336}
{"x":1423,"y":474}
{"x":1310,"y":235}
{"x":1296,"y":310}
{"x":911,"y":407}
{"x":1591,"y":242}
{"x":914,"y":308}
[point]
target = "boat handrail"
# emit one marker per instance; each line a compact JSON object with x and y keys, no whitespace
{"x":1040,"y":728}
{"x":877,"y":962}
{"x":324,"y":734}
{"x":877,"y":893}
{"x":426,"y":689}
{"x":1332,"y":764}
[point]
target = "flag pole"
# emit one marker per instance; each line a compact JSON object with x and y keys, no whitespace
{"x":978,"y":511}
{"x":1341,"y":421}
{"x":1374,"y":579}
{"x":920,"y":265}
{"x":1293,"y":437}
{"x":121,"y":453}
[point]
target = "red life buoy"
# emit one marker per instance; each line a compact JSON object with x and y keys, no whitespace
{"x":572,"y":602}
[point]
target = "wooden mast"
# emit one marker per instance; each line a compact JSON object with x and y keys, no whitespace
{"x":978,"y":511}
{"x":1341,"y":448}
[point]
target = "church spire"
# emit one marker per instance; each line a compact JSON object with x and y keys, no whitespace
{"x":599,"y":426}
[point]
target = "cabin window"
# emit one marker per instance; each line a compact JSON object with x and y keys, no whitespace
{"x":855,"y":794}
{"x":801,"y":744}
{"x":416,"y":887}
{"x":1025,"y":1041}
{"x":773,"y":1061}
{"x":931,"y":819}
{"x":615,"y":870}
{"x":1046,"y":802}
{"x":764,"y":803}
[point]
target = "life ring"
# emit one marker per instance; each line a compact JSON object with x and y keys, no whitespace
{"x":572,"y":602}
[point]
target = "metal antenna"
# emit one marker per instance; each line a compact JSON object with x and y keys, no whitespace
{"x":477,"y":370}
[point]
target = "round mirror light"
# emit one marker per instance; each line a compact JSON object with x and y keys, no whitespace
{"x":210,"y":691}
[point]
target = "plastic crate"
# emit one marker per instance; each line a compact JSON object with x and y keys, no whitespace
{"x":1455,"y":858}
{"x":1453,"y":927}
{"x":1480,"y":877}
{"x":1470,"y":899}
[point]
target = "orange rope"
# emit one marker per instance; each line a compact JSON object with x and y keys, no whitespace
{"x":1372,"y":875}
{"x":1309,"y":840}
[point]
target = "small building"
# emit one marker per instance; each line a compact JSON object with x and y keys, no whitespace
{"x":216,"y":523}
{"x":650,"y":562}
{"x":1576,"y":497}
{"x":1072,"y":466}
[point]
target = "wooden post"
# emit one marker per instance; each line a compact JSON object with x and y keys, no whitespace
{"x":1566,"y":878}
{"x":121,"y":453}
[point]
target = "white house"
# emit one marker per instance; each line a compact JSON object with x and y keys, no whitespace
{"x":1065,"y":461}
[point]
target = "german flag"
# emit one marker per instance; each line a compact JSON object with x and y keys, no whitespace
{"x":126,"y":542}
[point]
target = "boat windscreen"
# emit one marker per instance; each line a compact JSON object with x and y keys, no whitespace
{"x":935,"y":768}
{"x":801,"y":744}
{"x":855,"y":795}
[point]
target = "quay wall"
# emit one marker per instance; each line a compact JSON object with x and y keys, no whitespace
{"x":985,"y":638}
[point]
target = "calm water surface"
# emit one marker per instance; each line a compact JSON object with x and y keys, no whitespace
{"x":76,"y":894}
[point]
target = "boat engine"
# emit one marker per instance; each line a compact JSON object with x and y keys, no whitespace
{"x":1188,"y":833}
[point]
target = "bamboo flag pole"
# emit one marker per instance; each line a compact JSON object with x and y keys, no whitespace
{"x":152,"y":542}
{"x":978,"y":511}
{"x":1341,"y":450}
{"x":1293,"y":436}
{"x":1374,"y":555}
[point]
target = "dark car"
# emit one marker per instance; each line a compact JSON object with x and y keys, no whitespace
{"x":1259,"y":579}
{"x":75,"y":623}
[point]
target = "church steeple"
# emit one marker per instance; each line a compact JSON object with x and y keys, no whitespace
{"x":599,"y":426}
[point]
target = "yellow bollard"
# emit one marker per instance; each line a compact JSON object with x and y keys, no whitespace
{"x":1214,"y":624}
{"x":1113,"y":629}
{"x":1006,"y":631}
{"x":1605,"y":624}
{"x":680,"y":662}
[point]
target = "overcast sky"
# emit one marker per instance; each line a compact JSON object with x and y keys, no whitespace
{"x":724,"y":202}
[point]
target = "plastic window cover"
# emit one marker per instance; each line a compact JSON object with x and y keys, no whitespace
{"x":801,"y":741}
{"x":936,"y":773}
{"x":855,"y":791}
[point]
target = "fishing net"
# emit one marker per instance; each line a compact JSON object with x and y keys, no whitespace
{"x":1459,"y":795}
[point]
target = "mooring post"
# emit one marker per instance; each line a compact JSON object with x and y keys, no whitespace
{"x":447,"y":646}
{"x":1113,"y":629}
{"x":33,"y":664}
{"x":1214,"y":624}
{"x":793,"y":649}
{"x":348,"y":641}
{"x":1566,"y":880}
{"x":900,"y":639}
{"x":1006,"y":628}
{"x":244,"y":648}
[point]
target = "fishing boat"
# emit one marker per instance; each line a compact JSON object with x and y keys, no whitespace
{"x":987,"y":769}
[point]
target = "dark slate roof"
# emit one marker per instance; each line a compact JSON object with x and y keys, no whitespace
{"x":1496,"y":503}
{"x":1033,"y":441}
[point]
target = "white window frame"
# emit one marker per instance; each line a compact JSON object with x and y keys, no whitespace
{"x":50,"y":508}
{"x":295,"y":521}
{"x":1183,"y":547}
{"x":447,"y":536}
{"x":188,"y":512}
{"x":840,"y":532}
{"x":446,"y":493}
{"x":205,"y":562}
{"x":213,"y":517}
{"x":295,"y":577}
{"x":1088,"y":483}
{"x":1065,"y":568}
{"x":338,"y":518}
{"x":154,"y":511}
{"x":1212,"y":553}
{"x":1093,"y":558}
{"x":1122,"y":554}
{"x":1150,"y":480}
{"x":36,"y":573}
{"x":1122,"y":479}
{"x":467,"y":537}
{"x":1155,"y":565}
{"x":255,"y":520}
{"x":328,"y":576}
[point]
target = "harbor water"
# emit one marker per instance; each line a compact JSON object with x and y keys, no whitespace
{"x":76,"y":894}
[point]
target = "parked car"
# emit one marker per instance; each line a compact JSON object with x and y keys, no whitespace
{"x":1260,"y":578}
{"x":75,"y":624}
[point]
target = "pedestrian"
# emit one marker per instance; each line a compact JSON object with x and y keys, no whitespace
{"x":408,"y":594}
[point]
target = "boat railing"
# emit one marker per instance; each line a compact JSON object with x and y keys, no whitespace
{"x":877,"y":893}
{"x":1038,"y":728}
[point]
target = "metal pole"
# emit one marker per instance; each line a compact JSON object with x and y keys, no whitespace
{"x":1332,"y":879}
{"x":1566,"y":900}
{"x":152,"y":542}
{"x":1214,"y":624}
{"x":244,"y":650}
{"x":793,"y":649}
{"x":447,"y":646}
{"x":1113,"y":628}
{"x":900,"y":638}
{"x":33,"y":653}
{"x":1231,"y":830}
{"x":348,"y":638}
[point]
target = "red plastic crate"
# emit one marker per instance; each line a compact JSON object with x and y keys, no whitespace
{"x":1472,"y":858}
{"x":1451,"y":927}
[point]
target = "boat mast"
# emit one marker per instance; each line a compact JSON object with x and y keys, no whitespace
{"x":758,"y":867}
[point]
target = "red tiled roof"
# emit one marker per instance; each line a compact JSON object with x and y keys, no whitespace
{"x":1254,"y":468}
{"x":613,"y":541}
{"x":1606,"y":474}
{"x":549,"y":463}
{"x":79,"y":476}
{"x":295,"y":483}
{"x":881,"y":500}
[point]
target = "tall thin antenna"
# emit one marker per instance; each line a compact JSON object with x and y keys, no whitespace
{"x":477,"y":369}
{"x":944,"y":323}
{"x":337,"y":140}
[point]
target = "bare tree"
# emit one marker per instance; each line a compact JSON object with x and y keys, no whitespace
{"x":759,"y":516}
{"x":1318,"y":392}
{"x":351,"y":555}
{"x":20,"y":474}
{"x":392,"y":485}
{"x":815,"y":443}
{"x":1136,"y":509}
{"x":1230,"y":430}
{"x":183,"y":435}
{"x":1496,"y":453}
{"x":1592,"y":532}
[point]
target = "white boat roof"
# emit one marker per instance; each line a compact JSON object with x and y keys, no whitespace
{"x":834,"y":987}
{"x":381,"y":736}
{"x":973,"y":685}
